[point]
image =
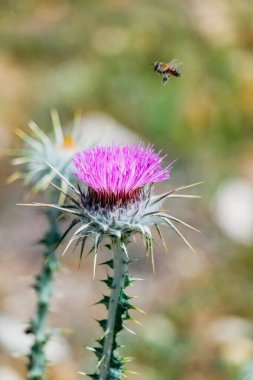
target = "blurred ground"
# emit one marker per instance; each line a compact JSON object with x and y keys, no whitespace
{"x":95,"y":57}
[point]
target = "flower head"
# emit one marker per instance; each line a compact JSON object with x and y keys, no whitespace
{"x":40,"y":150}
{"x":117,"y":173}
{"x":119,"y":200}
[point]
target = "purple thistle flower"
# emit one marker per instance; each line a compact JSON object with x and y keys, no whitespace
{"x":117,"y":173}
{"x":119,"y":201}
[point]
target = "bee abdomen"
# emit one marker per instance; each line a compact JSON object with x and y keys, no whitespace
{"x":175,"y":72}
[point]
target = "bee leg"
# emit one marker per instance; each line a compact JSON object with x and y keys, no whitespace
{"x":166,"y":77}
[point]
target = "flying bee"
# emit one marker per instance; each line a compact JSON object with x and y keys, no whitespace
{"x":167,"y":69}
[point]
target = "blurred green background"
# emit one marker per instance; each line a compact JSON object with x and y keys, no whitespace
{"x":95,"y":56}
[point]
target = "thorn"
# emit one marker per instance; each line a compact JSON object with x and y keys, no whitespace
{"x":139,"y":310}
{"x":162,"y":239}
{"x":81,"y":252}
{"x":130,"y":331}
{"x":109,"y":263}
{"x":185,"y":196}
{"x":105,"y":334}
{"x":127,"y":359}
{"x":123,"y":246}
{"x":100,"y":361}
{"x":169,"y":222}
{"x":104,"y":301}
{"x":152,"y":256}
{"x":63,"y":178}
{"x":135,"y":321}
{"x":92,"y":349}
{"x":67,"y":246}
{"x":94,"y":265}
{"x":133,"y":373}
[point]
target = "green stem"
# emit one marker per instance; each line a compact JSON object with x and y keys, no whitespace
{"x":120,"y":266}
{"x":43,"y":287}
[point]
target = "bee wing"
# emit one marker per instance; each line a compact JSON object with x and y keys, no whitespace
{"x":175,"y":63}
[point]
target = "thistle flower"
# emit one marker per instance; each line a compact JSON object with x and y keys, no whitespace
{"x":117,"y":203}
{"x":40,"y":149}
{"x":118,"y":200}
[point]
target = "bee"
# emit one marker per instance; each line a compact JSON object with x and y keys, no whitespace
{"x":167,"y":69}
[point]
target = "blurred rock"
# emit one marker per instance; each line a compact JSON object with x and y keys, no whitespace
{"x":16,"y":342}
{"x":12,"y":336}
{"x":233,"y":210}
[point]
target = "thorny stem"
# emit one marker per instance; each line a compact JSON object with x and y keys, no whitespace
{"x":43,"y":286}
{"x":120,"y":266}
